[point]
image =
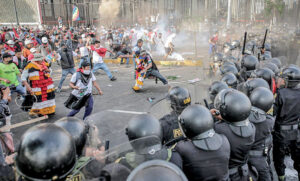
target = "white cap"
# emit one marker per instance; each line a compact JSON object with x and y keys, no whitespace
{"x":44,"y":40}
{"x":32,"y":50}
{"x":28,"y":42}
{"x":10,"y":42}
{"x":83,"y":36}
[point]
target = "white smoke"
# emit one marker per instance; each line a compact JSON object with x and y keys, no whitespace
{"x":109,"y":10}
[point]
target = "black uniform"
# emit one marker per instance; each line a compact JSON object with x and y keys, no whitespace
{"x":259,"y":153}
{"x":286,"y":129}
{"x":205,"y":162}
{"x":170,"y":127}
{"x":241,"y":139}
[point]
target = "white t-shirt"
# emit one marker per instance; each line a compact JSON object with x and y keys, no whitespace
{"x":83,"y":90}
{"x":84,"y":51}
{"x":97,"y":58}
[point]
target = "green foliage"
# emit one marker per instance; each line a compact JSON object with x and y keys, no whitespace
{"x":274,"y":5}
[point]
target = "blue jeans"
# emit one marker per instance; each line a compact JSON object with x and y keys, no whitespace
{"x":20,"y":89}
{"x":212,"y":48}
{"x":64,"y":75}
{"x":127,"y":60}
{"x":157,"y":75}
{"x":85,"y":58}
{"x":88,"y":109}
{"x":104,"y":67}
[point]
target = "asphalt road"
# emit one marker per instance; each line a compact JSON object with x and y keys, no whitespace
{"x":119,"y":97}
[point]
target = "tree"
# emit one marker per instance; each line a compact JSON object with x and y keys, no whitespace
{"x":273,"y":7}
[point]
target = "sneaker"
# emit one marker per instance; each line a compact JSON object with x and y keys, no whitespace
{"x":113,"y":78}
{"x":58,"y":90}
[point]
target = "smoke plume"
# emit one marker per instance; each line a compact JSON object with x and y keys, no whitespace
{"x":109,"y":10}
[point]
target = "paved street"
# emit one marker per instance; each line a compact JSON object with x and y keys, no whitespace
{"x":118,"y":95}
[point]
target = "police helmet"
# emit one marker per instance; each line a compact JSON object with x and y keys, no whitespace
{"x":46,"y":152}
{"x":215,"y":88}
{"x":262,"y":98}
{"x":227,"y":63}
{"x":266,"y":56}
{"x":264,"y":73}
{"x":77,"y":129}
{"x":230,"y":58}
{"x":267,"y":47}
{"x":227,"y":47}
{"x":230,"y":79}
{"x":157,"y":170}
{"x":180,"y":98}
{"x":277,"y":62}
{"x":291,"y":75}
{"x":249,"y":62}
{"x":248,"y":86}
{"x":233,"y":105}
{"x":195,"y":120}
{"x":229,"y":68}
{"x":218,"y":57}
{"x":235,"y":43}
{"x":272,"y":67}
{"x":141,"y":128}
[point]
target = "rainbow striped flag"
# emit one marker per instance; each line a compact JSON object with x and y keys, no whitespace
{"x":75,"y":14}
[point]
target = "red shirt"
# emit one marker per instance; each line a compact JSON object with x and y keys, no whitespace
{"x":214,"y":39}
{"x":100,"y":51}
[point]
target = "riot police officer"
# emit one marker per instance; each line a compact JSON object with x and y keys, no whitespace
{"x":235,"y":108}
{"x":248,"y":86}
{"x":214,"y":89}
{"x":276,"y":61}
{"x":262,"y":100}
{"x":248,"y":64}
{"x":286,"y":130}
{"x":46,"y":152}
{"x":228,"y":68}
{"x":179,"y":98}
{"x":205,"y":155}
{"x":145,"y":135}
{"x":77,"y":129}
{"x":266,"y":74}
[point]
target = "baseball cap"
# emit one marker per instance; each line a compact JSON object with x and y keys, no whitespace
{"x":6,"y":55}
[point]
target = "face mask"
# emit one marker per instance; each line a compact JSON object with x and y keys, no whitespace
{"x":11,"y":45}
{"x":86,"y":72}
{"x":11,"y":61}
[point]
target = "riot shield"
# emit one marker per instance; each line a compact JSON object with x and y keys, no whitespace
{"x":117,"y":162}
{"x":107,"y":128}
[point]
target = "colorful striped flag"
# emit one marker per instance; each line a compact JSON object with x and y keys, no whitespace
{"x":75,"y":14}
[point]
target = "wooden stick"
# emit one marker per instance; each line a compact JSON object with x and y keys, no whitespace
{"x":7,"y":128}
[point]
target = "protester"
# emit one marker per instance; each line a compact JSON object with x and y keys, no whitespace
{"x":98,"y":54}
{"x":28,"y":46}
{"x":20,"y":61}
{"x":39,"y":85}
{"x":82,"y":83}
{"x":65,"y":56}
{"x":9,"y":73}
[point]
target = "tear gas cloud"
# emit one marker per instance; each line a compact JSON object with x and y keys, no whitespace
{"x":109,"y":10}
